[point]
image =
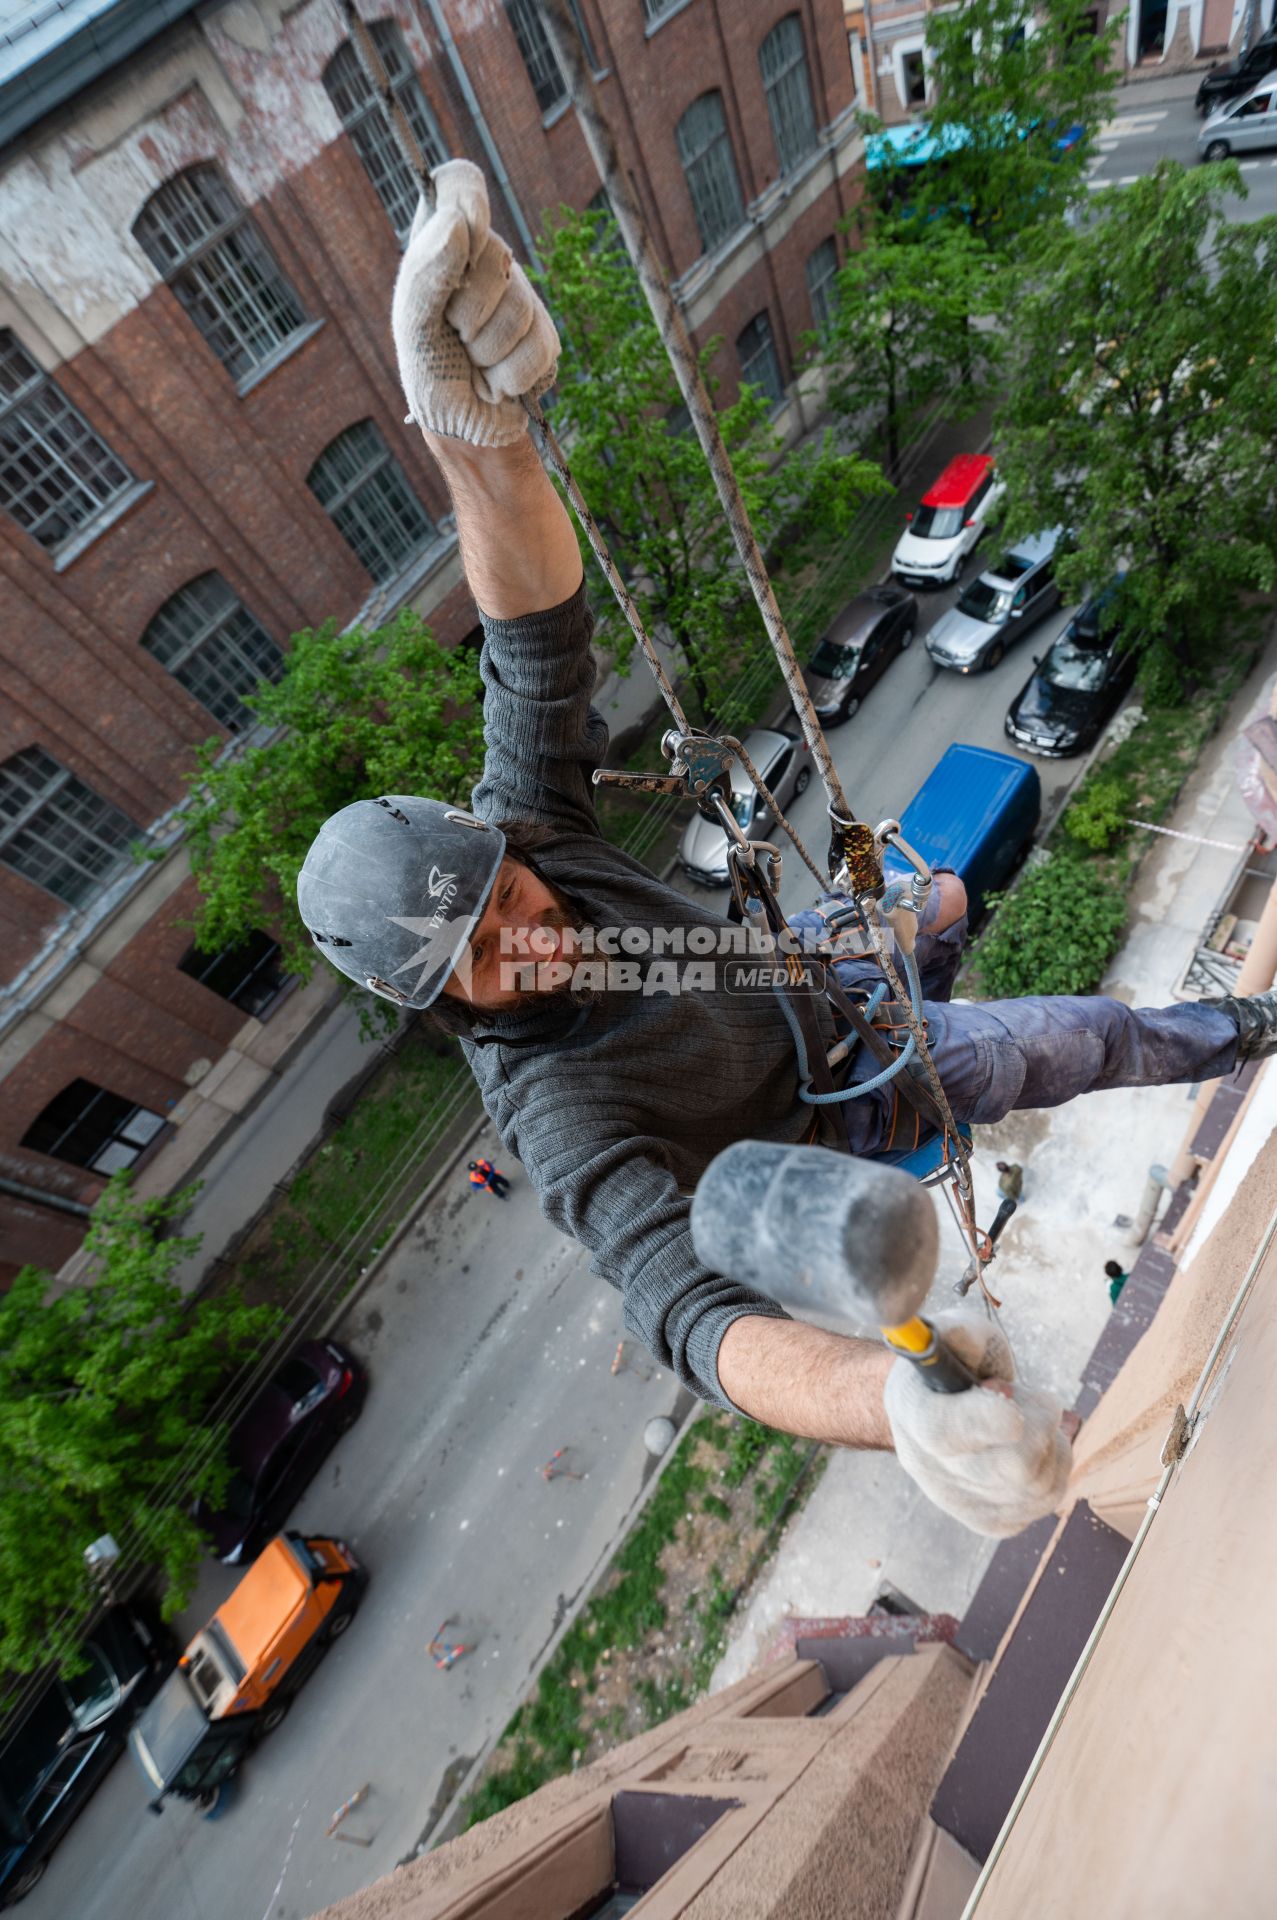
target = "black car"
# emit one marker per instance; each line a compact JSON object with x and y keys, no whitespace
{"x":1076,"y":687}
{"x":1226,"y":81}
{"x":278,"y":1446}
{"x":63,"y":1736}
{"x":862,"y":642}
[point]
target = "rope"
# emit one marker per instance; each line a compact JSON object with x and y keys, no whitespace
{"x":678,"y":345}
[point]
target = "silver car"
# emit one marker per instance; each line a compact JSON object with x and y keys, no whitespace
{"x":998,"y":607}
{"x":785,"y":765}
{"x":1242,"y":125}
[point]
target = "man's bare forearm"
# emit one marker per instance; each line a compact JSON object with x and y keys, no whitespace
{"x":518,"y":546}
{"x":823,"y":1386}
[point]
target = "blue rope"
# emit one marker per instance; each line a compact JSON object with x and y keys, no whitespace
{"x":879,"y":1079}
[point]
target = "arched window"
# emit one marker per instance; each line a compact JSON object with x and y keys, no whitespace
{"x":756,"y":351}
{"x":706,"y":152}
{"x":360,"y":113}
{"x":213,"y":647}
{"x":195,"y":232}
{"x":250,"y":975}
{"x":539,"y":56}
{"x":91,"y":1127}
{"x":788,"y":91}
{"x":822,"y":283}
{"x":363,"y":488}
{"x":56,"y":831}
{"x":55,"y":471}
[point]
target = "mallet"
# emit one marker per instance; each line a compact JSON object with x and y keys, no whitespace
{"x":813,"y":1228}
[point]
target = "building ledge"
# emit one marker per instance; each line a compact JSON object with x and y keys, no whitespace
{"x":91,"y":532}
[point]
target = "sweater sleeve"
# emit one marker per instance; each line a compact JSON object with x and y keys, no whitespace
{"x":622,"y":1202}
{"x":543,"y":739}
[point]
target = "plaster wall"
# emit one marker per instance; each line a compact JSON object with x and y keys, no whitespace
{"x":1156,"y":1796}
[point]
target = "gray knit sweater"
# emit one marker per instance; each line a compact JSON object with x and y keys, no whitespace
{"x":615,"y":1117}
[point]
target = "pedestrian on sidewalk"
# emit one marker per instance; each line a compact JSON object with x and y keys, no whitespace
{"x":483,"y":1174}
{"x":1117,"y":1279}
{"x":617,"y":1080}
{"x":1010,"y":1179}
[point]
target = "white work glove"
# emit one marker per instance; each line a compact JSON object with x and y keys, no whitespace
{"x":995,"y":1463}
{"x":471,"y":336}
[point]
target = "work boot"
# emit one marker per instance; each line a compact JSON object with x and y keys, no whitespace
{"x":1255,"y":1015}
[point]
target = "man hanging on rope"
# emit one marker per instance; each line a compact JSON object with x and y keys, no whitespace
{"x":617,"y":1098}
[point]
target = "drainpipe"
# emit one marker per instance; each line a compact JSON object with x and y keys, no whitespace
{"x":435,"y":9}
{"x":18,"y":1190}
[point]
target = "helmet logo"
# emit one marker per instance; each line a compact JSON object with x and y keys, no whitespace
{"x":439,"y":882}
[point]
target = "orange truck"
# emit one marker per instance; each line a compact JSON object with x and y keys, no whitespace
{"x":237,"y":1678}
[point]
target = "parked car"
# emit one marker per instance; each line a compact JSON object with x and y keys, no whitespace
{"x":999,"y":607}
{"x":860,"y":645}
{"x":1227,"y":79}
{"x":1243,"y":125}
{"x":785,"y":764}
{"x":237,"y":1678}
{"x":61,"y":1740}
{"x":977,"y":811}
{"x":1076,"y":688}
{"x":278,"y":1446}
{"x":951,"y":517}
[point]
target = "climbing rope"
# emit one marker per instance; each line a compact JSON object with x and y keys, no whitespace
{"x":698,"y":761}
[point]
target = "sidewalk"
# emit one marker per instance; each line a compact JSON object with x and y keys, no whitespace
{"x":866,"y":1526}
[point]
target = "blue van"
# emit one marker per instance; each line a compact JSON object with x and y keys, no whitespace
{"x":977,"y":812}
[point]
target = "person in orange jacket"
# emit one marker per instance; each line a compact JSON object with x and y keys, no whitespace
{"x":483,"y":1174}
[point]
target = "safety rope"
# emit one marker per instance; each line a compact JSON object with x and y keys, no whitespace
{"x":678,"y":345}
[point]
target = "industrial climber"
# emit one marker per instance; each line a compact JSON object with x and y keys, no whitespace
{"x":589,"y":998}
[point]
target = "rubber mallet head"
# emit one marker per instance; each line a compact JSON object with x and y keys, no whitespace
{"x":810,"y":1227}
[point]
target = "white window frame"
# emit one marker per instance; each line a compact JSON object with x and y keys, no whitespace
{"x":788,"y":94}
{"x":38,"y":424}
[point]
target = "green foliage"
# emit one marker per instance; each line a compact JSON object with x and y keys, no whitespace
{"x":103,"y":1391}
{"x":746,"y":1445}
{"x":1141,"y":414}
{"x":1014,"y":82}
{"x":371,"y":711}
{"x":903,"y":331}
{"x":1055,"y":934}
{"x":716,"y":1508}
{"x":647,"y":480}
{"x":1099,"y":814}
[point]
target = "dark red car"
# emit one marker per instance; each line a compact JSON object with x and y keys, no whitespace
{"x":281,"y":1441}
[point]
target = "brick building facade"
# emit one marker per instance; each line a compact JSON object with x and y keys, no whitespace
{"x":202,"y":450}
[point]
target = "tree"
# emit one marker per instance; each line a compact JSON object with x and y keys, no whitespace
{"x":369,"y":711}
{"x":1011,"y":83}
{"x":105,"y":1392}
{"x":1141,"y":412}
{"x":641,"y":468}
{"x":901,"y":331}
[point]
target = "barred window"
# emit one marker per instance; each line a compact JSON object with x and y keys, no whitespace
{"x":360,"y":113}
{"x":363,"y":487}
{"x":756,"y":351}
{"x":250,"y":975}
{"x":55,"y":830}
{"x":91,"y":1127}
{"x":213,"y":647}
{"x":822,"y":283}
{"x":55,"y":473}
{"x":539,"y":57}
{"x":706,"y":152}
{"x":655,"y":10}
{"x":788,"y":91}
{"x":195,"y":232}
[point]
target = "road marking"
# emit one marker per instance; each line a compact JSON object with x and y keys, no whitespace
{"x":1250,"y":166}
{"x":1132,"y":123}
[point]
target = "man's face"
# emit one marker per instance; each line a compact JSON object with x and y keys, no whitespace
{"x":520,"y":904}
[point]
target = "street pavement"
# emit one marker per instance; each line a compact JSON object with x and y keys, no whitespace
{"x":490,"y":1348}
{"x":1157,"y":120}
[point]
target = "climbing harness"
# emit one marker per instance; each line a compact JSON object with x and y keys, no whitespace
{"x":699,"y":763}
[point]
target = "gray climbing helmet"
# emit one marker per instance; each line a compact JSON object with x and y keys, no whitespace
{"x":392,"y":889}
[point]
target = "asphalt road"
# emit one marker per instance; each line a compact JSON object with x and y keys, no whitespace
{"x":1156,"y":120}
